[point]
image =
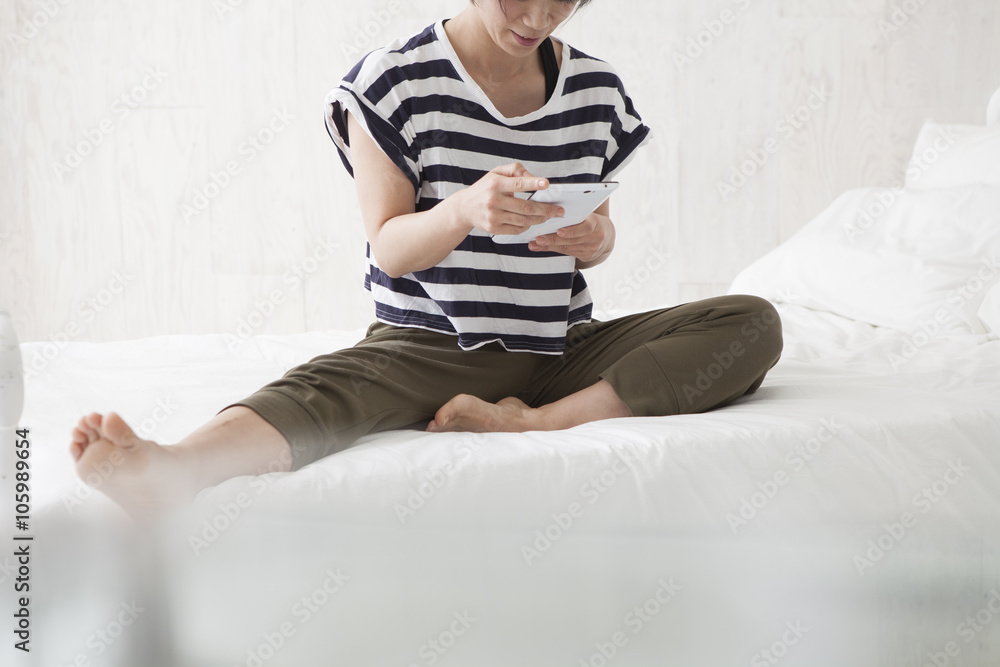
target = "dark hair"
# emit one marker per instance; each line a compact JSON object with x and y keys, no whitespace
{"x":579,"y":4}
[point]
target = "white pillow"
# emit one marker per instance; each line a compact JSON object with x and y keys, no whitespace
{"x":949,"y":155}
{"x":989,"y":311}
{"x":993,"y":111}
{"x":905,"y":259}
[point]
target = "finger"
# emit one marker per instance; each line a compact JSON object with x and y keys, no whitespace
{"x":538,"y":212}
{"x":582,"y":251}
{"x":523,"y":183}
{"x":513,"y":169}
{"x":515,"y":218}
{"x":518,"y":170}
{"x":556,"y":244}
{"x":533,"y":209}
{"x":574,"y":235}
{"x":577,"y":231}
{"x":574,"y":249}
{"x":512,"y":223}
{"x":568,"y":246}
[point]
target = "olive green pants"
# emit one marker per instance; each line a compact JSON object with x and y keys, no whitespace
{"x":686,"y":359}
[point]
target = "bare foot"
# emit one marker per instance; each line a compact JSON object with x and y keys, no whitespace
{"x":144,"y":478}
{"x":468,"y":413}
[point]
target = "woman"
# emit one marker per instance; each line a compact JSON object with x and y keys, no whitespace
{"x":441,"y":132}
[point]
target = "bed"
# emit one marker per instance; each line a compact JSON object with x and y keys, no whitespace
{"x":847,"y":513}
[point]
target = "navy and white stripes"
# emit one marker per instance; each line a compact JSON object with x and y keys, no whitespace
{"x":415,"y":99}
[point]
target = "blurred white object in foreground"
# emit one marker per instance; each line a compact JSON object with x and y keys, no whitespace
{"x":11,"y":375}
{"x":11,"y":403}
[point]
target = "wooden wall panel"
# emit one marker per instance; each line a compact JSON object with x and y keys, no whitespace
{"x":69,"y":180}
{"x":330,"y":39}
{"x":9,"y":30}
{"x":171,"y":261}
{"x":992,"y":67}
{"x":15,"y":259}
{"x":256,"y":304}
{"x":75,"y":10}
{"x":830,"y":8}
{"x":254,"y":218}
{"x":731,"y":103}
{"x":642,"y":272}
{"x":938,"y":53}
{"x":170,"y":39}
{"x":834,"y":64}
{"x":289,"y":220}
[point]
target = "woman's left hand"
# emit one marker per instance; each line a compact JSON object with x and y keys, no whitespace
{"x":588,"y":241}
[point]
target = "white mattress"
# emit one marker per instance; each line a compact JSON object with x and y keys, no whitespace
{"x":799,"y":578}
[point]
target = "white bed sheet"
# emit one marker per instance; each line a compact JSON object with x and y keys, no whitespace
{"x":792,"y":579}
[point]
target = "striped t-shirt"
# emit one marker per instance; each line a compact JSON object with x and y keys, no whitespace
{"x":415,"y":99}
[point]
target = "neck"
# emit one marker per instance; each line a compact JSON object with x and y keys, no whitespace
{"x":478,"y":52}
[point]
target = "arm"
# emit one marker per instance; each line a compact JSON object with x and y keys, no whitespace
{"x":404,"y":241}
{"x":591,"y":241}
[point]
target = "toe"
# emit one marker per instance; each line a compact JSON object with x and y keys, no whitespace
{"x":80,"y":437}
{"x":449,"y":410}
{"x":118,"y":432}
{"x":93,"y":419}
{"x":75,"y":450}
{"x":442,"y":418}
{"x":85,"y":433}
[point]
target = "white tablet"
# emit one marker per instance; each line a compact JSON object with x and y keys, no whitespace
{"x":579,"y":200}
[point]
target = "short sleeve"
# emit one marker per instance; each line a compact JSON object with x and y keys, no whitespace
{"x":628,"y":133}
{"x":372,"y":93}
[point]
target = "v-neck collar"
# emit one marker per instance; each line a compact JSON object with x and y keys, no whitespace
{"x":481,"y":95}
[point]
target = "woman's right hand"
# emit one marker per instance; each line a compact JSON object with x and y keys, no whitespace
{"x":489,"y":204}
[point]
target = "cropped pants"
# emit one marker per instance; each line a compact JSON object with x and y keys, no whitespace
{"x":685,"y":359}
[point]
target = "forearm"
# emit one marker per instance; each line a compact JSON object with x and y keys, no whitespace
{"x":417,"y":241}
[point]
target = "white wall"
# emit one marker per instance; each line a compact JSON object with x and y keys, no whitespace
{"x":225,"y":69}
